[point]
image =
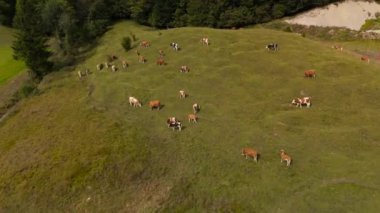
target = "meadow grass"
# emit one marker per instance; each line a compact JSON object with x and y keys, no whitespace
{"x":8,"y":66}
{"x":79,"y":146}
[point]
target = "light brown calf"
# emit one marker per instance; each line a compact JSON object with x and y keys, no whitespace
{"x":285,"y":157}
{"x":145,"y":44}
{"x":160,"y":62}
{"x":365,"y":58}
{"x":192,"y":118}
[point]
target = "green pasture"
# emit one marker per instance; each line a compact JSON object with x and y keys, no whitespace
{"x":8,"y":66}
{"x":77,"y":146}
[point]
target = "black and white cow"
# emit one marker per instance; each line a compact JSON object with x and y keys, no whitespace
{"x":173,"y":123}
{"x":272,"y":46}
{"x":174,"y":46}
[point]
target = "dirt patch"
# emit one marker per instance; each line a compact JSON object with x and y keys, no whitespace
{"x":350,"y":14}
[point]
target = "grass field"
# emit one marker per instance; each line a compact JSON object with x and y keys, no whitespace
{"x":8,"y":66}
{"x":78,"y":146}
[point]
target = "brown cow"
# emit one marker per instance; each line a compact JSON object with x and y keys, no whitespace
{"x":365,"y":58}
{"x":155,"y":104}
{"x":145,"y":44}
{"x":310,"y":73}
{"x":160,"y":61}
{"x":285,"y":157}
{"x":249,"y":152}
{"x":192,"y":118}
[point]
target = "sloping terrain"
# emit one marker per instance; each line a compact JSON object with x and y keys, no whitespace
{"x":79,"y":146}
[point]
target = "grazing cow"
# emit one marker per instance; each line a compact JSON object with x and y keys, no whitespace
{"x":285,"y":157}
{"x":82,"y":74}
{"x":107,"y":65}
{"x":99,"y":67}
{"x":174,"y":125}
{"x":182,"y":94}
{"x":205,"y":41}
{"x":365,"y":58}
{"x":145,"y":44}
{"x":184,"y":69}
{"x":337,"y":47}
{"x":113,"y":68}
{"x":124,"y":64}
{"x":160,"y":61}
{"x":272,"y":46}
{"x":174,"y":46}
{"x":142,"y":59}
{"x":137,"y":53}
{"x":161,"y":53}
{"x":299,"y":102}
{"x":134,"y":102}
{"x":310,"y":73}
{"x":196,"y":108}
{"x":249,"y":152}
{"x":171,"y":120}
{"x":192,"y":118}
{"x":155,"y":104}
{"x":114,"y":57}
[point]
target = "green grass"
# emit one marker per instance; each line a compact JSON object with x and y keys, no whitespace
{"x":78,"y":146}
{"x":371,"y":24}
{"x":8,"y":66}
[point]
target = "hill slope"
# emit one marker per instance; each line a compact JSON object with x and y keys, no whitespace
{"x":79,"y":146}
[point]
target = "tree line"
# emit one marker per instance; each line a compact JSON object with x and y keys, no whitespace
{"x":74,"y":22}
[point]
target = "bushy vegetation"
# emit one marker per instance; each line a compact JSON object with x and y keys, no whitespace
{"x":126,"y":43}
{"x":371,"y":24}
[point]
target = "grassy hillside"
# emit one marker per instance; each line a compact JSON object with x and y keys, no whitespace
{"x":78,"y":146}
{"x":8,"y":66}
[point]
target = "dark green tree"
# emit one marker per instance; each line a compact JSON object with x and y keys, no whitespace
{"x":126,"y":43}
{"x":31,"y":41}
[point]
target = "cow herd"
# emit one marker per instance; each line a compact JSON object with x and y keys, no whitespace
{"x":176,"y":124}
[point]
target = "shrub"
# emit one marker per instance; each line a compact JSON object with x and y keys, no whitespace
{"x":134,"y":38}
{"x":26,"y":90}
{"x":126,"y":43}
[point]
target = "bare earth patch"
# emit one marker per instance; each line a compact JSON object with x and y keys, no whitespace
{"x":350,"y":14}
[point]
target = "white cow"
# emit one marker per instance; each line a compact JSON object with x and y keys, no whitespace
{"x":113,"y":68}
{"x":196,"y":108}
{"x":182,"y":94}
{"x":134,"y":102}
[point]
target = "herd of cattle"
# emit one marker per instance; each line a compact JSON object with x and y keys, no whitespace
{"x":176,"y":124}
